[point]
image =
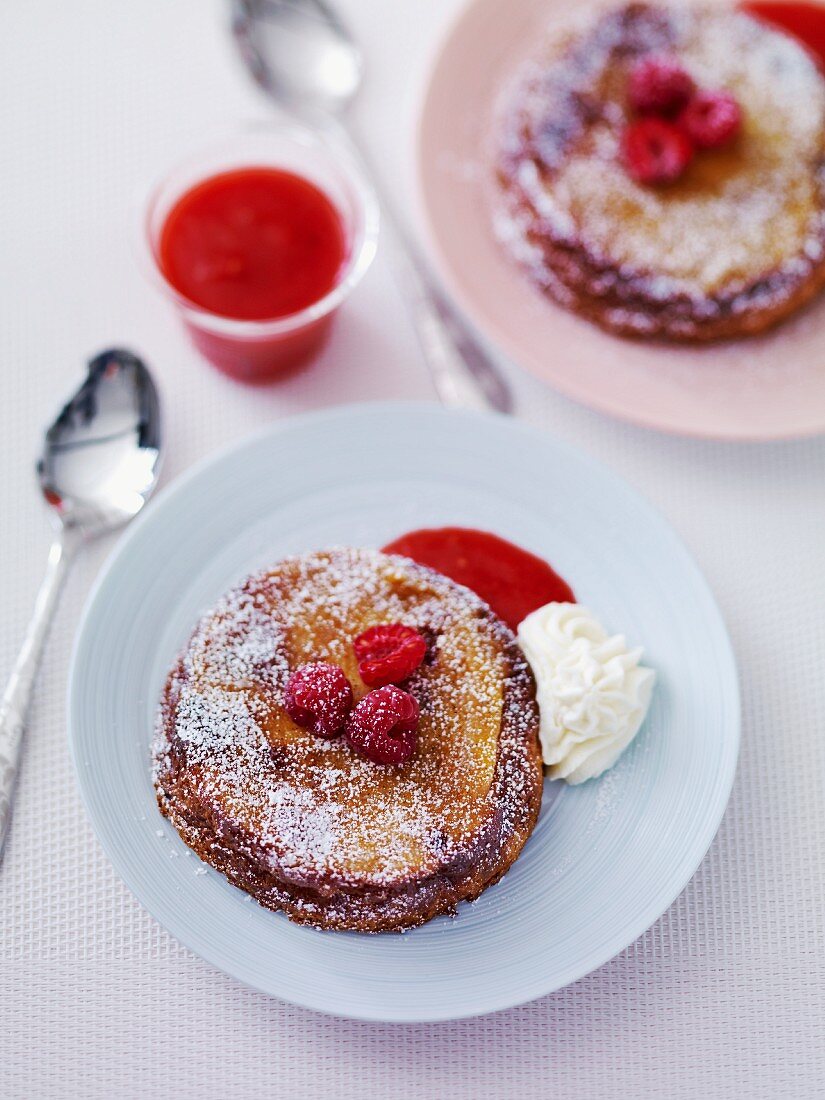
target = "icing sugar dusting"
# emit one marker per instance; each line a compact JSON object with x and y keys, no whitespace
{"x":738,"y":233}
{"x":308,"y":814}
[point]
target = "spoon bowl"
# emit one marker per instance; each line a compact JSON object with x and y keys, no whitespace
{"x":299,"y":51}
{"x":101,"y":455}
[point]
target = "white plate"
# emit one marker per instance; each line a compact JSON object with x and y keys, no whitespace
{"x":606,"y":859}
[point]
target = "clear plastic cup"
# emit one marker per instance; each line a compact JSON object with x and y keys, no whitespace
{"x":261,"y":351}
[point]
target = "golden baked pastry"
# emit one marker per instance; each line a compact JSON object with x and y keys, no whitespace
{"x":734,"y":245}
{"x":306,"y":825}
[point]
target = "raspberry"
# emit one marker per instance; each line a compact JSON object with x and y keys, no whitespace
{"x":711,"y":119}
{"x":383,"y":725}
{"x":388,"y":653}
{"x":318,"y":697}
{"x":655,"y":151}
{"x":659,"y":85}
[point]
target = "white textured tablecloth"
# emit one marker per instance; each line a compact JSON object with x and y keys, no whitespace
{"x":723,"y":997}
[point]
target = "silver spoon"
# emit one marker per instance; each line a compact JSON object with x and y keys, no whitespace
{"x":98,"y":467}
{"x":301,"y":53}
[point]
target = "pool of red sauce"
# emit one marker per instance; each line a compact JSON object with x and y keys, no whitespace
{"x":253,"y":243}
{"x":512,"y":581}
{"x":806,"y":22}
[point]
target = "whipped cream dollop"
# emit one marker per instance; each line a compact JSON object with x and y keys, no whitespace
{"x":593,"y":694}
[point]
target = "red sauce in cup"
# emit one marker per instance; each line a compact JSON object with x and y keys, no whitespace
{"x":805,"y":22}
{"x":512,"y":581}
{"x":248,"y":250}
{"x":253,"y":244}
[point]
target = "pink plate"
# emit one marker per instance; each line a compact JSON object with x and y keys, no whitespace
{"x":769,"y":387}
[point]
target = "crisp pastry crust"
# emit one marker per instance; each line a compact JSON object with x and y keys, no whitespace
{"x":306,"y":825}
{"x":734,"y":246}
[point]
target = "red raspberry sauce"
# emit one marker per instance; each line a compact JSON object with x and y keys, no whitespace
{"x":805,"y":22}
{"x":253,"y":244}
{"x":512,"y":581}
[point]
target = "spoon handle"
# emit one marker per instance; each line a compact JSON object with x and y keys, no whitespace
{"x":463,"y":374}
{"x":15,"y":702}
{"x":461,"y":371}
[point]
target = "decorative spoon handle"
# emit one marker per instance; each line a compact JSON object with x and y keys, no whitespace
{"x":463,"y":374}
{"x":15,"y":702}
{"x":461,"y":371}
